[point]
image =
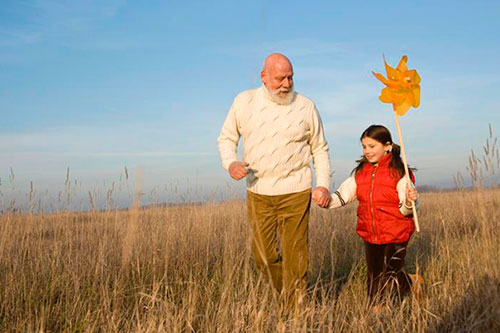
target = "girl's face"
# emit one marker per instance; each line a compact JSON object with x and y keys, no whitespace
{"x":374,"y":150}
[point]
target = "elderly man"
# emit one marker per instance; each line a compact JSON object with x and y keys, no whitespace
{"x":282,"y":133}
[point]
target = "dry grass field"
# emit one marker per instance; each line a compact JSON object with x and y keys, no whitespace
{"x":188,"y":268}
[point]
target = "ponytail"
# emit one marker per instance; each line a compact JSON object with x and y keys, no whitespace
{"x":397,"y":164}
{"x":396,"y":150}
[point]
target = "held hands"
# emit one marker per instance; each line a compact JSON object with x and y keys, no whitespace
{"x":237,"y":170}
{"x":321,"y":196}
{"x":411,"y":195}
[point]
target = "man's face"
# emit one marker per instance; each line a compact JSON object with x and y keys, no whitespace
{"x":279,"y":78}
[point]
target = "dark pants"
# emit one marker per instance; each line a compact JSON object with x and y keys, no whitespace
{"x":385,"y":270}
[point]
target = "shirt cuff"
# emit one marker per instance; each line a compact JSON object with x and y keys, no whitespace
{"x":323,"y":182}
{"x":227,"y":163}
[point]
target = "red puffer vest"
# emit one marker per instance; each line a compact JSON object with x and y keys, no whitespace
{"x":379,"y":218}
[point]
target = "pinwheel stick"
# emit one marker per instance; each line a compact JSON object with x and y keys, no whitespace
{"x":407,"y":174}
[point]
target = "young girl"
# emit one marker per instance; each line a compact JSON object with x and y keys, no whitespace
{"x":385,"y":220}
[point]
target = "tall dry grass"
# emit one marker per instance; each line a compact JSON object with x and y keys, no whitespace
{"x":188,"y":268}
{"x":483,"y":168}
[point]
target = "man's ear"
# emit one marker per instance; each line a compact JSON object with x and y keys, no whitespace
{"x":263,"y":77}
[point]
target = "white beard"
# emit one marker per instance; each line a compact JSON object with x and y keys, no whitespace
{"x":275,"y":95}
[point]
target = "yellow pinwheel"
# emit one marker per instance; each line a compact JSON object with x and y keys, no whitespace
{"x":402,"y":87}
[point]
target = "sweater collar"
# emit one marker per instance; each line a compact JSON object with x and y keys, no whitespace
{"x":265,"y":92}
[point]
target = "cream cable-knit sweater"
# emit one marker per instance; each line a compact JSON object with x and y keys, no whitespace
{"x":279,"y":142}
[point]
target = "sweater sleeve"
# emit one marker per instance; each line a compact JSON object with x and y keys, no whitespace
{"x":401,"y":188}
{"x":228,"y":138}
{"x":319,"y":150}
{"x":345,"y":194}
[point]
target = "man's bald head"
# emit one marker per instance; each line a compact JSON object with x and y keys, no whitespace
{"x":276,"y":60}
{"x":277,"y":76}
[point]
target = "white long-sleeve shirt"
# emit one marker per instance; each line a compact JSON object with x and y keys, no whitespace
{"x":279,"y":143}
{"x":346,"y":193}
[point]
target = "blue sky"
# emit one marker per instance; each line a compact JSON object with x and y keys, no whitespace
{"x":99,"y":85}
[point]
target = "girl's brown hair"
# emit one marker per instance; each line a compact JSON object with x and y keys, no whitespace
{"x":381,"y":134}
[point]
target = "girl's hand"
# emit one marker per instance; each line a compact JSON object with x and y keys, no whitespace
{"x":411,"y":194}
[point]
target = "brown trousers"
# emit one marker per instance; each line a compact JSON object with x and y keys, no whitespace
{"x":279,"y":225}
{"x":385,"y":269}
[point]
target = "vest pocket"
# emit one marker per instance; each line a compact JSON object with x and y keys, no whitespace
{"x":363,"y":226}
{"x":391,"y":212}
{"x":393,"y":226}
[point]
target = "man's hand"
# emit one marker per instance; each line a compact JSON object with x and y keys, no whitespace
{"x":321,"y":196}
{"x":238,"y":170}
{"x":411,"y":195}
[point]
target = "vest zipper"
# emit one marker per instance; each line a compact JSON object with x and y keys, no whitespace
{"x":371,"y":204}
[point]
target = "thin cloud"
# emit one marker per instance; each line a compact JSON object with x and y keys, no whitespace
{"x":145,"y":154}
{"x":293,"y":48}
{"x":13,"y":37}
{"x":126,"y":140}
{"x":110,"y":154}
{"x":107,"y":44}
{"x":74,"y":15}
{"x":73,"y":24}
